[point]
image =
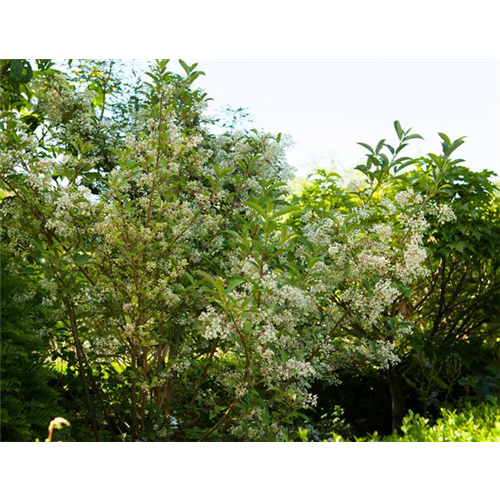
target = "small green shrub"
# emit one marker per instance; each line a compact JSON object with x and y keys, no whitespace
{"x":472,"y":422}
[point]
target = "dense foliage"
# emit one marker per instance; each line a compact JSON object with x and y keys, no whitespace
{"x":188,"y":294}
{"x":481,"y":423}
{"x":29,"y":399}
{"x":453,"y":351}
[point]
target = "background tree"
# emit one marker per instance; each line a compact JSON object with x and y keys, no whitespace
{"x":454,"y":352}
{"x":425,"y":185}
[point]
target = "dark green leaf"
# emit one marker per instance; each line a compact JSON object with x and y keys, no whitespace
{"x":398,"y":129}
{"x":390,"y":148}
{"x":233,"y":284}
{"x":82,"y":258}
{"x":367,"y":147}
{"x":445,"y":138}
{"x":379,"y":146}
{"x":413,"y":136}
{"x":257,"y":208}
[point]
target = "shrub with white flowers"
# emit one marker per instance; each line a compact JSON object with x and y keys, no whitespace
{"x":176,"y":260}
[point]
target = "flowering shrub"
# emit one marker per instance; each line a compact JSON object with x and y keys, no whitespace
{"x":193,"y":295}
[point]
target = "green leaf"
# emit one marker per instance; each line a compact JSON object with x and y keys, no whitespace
{"x":233,"y":284}
{"x":404,"y":164}
{"x":401,"y":147}
{"x":406,"y":289}
{"x":185,"y":66}
{"x":367,"y":147}
{"x":459,"y":246}
{"x":206,"y":276}
{"x":413,"y":136}
{"x":435,"y":158}
{"x":456,"y":144}
{"x":458,"y":160}
{"x":232,"y":233}
{"x":379,"y":146}
{"x":286,"y":210}
{"x":445,"y":138}
{"x":390,"y":148}
{"x":312,"y":261}
{"x":257,"y":208}
{"x":399,"y":130}
{"x":82,"y":258}
{"x":38,"y":244}
{"x":20,"y":70}
{"x":385,"y":160}
{"x":217,"y":409}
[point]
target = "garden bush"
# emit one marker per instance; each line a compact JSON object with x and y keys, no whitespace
{"x":190,"y":294}
{"x":480,"y":423}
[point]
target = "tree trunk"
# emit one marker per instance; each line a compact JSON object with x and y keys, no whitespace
{"x":397,"y":397}
{"x":81,"y":367}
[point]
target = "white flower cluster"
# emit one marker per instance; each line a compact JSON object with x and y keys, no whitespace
{"x":296,"y":298}
{"x":251,"y":425}
{"x":294,"y":371}
{"x":70,"y":112}
{"x":310,"y":400}
{"x":320,"y":232}
{"x":47,"y":302}
{"x":369,"y":306}
{"x":407,"y":198}
{"x":181,"y":364}
{"x":104,"y":347}
{"x":411,"y":266}
{"x":402,"y":328}
{"x":241,"y":390}
{"x":49,"y":285}
{"x":23,"y":297}
{"x":379,"y":351}
{"x":443,"y":213}
{"x":369,"y":262}
{"x":362,"y":213}
{"x":215,"y":324}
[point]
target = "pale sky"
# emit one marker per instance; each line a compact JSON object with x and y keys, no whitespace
{"x":329,"y":106}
